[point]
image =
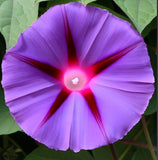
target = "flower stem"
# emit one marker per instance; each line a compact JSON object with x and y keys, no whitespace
{"x":134,"y":138}
{"x":113,"y":152}
{"x":148,"y":138}
{"x":126,"y":141}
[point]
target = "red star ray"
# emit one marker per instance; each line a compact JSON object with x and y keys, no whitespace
{"x":102,"y":65}
{"x":62,"y":96}
{"x":90,"y":99}
{"x":72,"y":56}
{"x":46,"y":68}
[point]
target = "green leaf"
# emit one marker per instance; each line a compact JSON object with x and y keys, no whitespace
{"x":151,"y":26}
{"x":102,"y":153}
{"x":85,"y":2}
{"x":7,"y":123}
{"x":142,"y":154}
{"x":15,"y":17}
{"x":44,"y":153}
{"x":141,"y":12}
{"x":38,"y":1}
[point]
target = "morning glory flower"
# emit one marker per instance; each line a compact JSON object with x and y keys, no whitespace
{"x":78,"y":78}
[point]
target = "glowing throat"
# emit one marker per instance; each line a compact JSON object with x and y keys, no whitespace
{"x":75,"y":79}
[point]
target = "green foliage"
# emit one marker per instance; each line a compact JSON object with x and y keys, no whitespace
{"x":149,"y":28}
{"x":15,"y":17}
{"x":101,"y":153}
{"x":44,"y":153}
{"x":141,"y":154}
{"x":9,"y":154}
{"x":7,"y":123}
{"x":141,"y":12}
{"x":85,"y":2}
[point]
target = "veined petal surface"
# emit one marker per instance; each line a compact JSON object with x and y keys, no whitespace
{"x":29,"y":93}
{"x":85,"y":132}
{"x":98,"y":43}
{"x":133,"y":67}
{"x":45,"y":40}
{"x":127,"y":85}
{"x":97,"y":34}
{"x":55,"y":133}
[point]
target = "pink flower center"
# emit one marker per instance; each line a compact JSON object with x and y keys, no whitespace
{"x":75,"y":79}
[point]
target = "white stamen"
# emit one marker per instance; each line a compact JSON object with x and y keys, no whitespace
{"x":75,"y":80}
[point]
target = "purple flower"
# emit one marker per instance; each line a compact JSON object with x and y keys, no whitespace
{"x":79,"y":77}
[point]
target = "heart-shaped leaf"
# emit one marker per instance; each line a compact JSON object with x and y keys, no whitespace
{"x":141,"y":12}
{"x":15,"y":17}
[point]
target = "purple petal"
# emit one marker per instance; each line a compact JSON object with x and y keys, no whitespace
{"x":127,"y":87}
{"x":120,"y":110}
{"x":90,"y":99}
{"x":119,"y":91}
{"x":45,"y":40}
{"x":85,"y":131}
{"x":55,"y":133}
{"x":28,"y":92}
{"x":132,"y":67}
{"x":103,"y":64}
{"x":97,"y":34}
{"x":116,"y":109}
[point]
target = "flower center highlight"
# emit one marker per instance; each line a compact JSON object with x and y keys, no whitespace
{"x":75,"y":79}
